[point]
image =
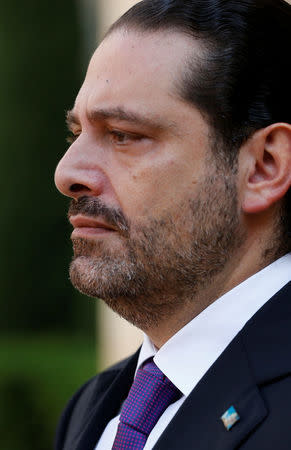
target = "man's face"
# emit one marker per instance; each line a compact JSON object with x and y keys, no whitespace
{"x":154,"y":217}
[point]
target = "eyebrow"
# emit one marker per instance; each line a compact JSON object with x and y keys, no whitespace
{"x":121,"y":114}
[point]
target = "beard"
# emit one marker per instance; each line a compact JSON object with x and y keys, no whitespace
{"x":159,"y":263}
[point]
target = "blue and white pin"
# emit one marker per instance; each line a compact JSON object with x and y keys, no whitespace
{"x":230,"y":417}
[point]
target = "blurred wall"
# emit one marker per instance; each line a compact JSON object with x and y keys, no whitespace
{"x":108,"y":11}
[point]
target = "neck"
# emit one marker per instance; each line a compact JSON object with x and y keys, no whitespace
{"x":248,"y":261}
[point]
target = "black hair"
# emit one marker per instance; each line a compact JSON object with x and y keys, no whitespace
{"x":242,"y":82}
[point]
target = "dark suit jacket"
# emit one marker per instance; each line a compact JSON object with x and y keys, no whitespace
{"x":253,"y":374}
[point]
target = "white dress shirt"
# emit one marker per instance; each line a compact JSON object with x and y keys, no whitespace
{"x":187,"y":356}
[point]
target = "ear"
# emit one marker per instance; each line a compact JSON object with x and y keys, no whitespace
{"x":265,"y":162}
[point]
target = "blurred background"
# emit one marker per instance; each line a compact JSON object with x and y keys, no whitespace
{"x":52,"y":338}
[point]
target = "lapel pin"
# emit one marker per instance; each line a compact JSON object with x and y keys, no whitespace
{"x":230,"y":417}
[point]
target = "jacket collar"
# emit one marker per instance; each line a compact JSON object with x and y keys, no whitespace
{"x":267,"y":338}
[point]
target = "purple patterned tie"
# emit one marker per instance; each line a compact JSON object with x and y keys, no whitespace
{"x":151,"y":393}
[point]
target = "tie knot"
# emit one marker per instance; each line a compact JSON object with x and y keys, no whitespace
{"x":150,"y":367}
{"x":151,"y":393}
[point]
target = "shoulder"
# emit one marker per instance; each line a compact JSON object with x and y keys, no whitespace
{"x":81,"y":401}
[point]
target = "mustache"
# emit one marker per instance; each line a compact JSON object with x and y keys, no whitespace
{"x":94,"y":207}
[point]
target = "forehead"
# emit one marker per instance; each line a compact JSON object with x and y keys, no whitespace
{"x":136,"y":70}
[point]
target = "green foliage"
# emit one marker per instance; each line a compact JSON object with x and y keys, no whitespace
{"x":40,"y":76}
{"x":38,"y":376}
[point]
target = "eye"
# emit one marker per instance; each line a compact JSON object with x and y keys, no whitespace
{"x":123,"y":138}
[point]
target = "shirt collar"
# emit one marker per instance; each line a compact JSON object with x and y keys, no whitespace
{"x":187,"y":355}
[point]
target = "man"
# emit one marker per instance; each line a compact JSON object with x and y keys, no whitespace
{"x":179,"y":173}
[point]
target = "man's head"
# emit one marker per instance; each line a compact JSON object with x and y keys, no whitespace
{"x":175,"y":153}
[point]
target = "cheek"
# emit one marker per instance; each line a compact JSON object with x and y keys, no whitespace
{"x":150,"y":190}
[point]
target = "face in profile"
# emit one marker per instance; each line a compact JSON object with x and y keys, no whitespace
{"x":154,"y":216}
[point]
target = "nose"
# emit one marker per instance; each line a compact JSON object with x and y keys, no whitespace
{"x":77,"y":174}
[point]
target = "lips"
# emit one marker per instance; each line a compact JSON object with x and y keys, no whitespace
{"x":87,"y":225}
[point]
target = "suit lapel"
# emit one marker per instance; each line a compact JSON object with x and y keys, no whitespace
{"x":107,"y":406}
{"x":258,"y":355}
{"x":198,"y":422}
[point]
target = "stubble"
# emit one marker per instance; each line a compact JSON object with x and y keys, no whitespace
{"x":160,"y":265}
